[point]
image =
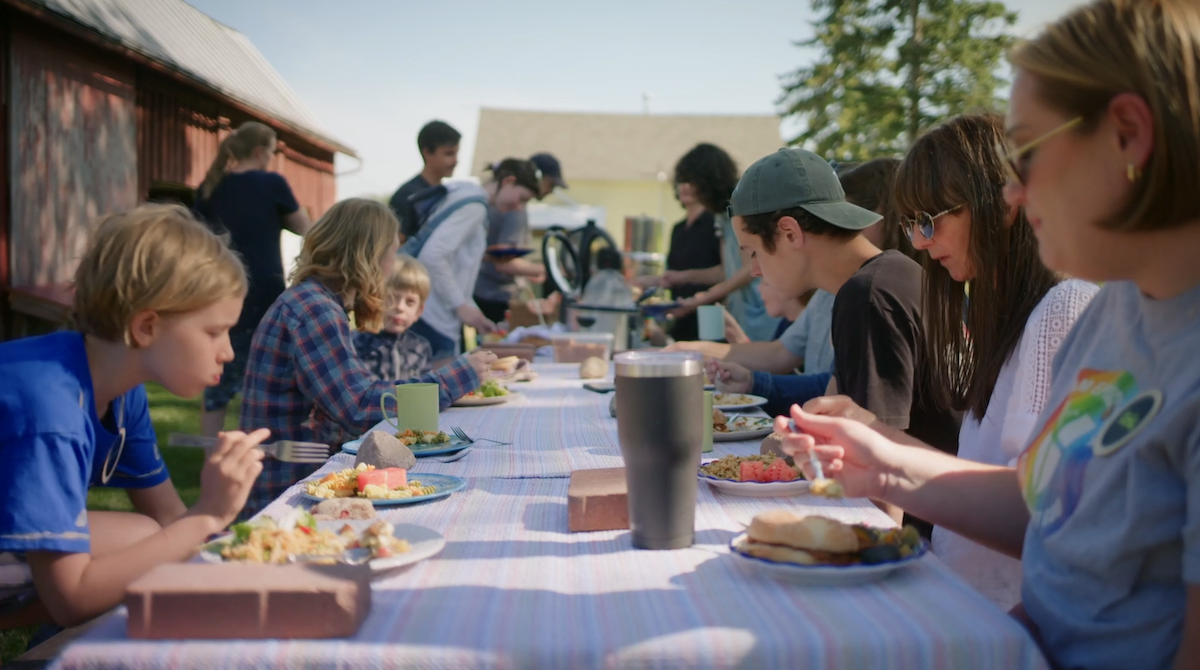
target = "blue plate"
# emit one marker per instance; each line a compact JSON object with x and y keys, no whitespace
{"x":826,"y":575}
{"x":508,"y":252}
{"x":419,"y":450}
{"x":445,"y":485}
{"x":658,"y":310}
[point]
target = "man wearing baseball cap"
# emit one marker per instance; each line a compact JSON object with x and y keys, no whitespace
{"x":790,"y":213}
{"x":497,"y":277}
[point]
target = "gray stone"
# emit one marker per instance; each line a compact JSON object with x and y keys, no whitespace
{"x":383,"y":450}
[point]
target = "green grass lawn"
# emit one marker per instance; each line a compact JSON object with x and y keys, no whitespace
{"x":170,"y":414}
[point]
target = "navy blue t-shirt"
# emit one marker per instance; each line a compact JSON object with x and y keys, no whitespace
{"x":251,"y":207}
{"x":403,"y":209}
{"x":53,"y":447}
{"x":784,"y":324}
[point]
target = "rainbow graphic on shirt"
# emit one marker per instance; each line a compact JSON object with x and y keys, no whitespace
{"x":1052,"y":469}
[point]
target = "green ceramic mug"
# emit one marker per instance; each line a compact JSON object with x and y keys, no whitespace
{"x":416,"y":407}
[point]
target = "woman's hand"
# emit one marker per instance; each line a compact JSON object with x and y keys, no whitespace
{"x":481,"y":361}
{"x":840,"y":406}
{"x":729,"y":377}
{"x":228,"y":474}
{"x":859,"y":458}
{"x":672,"y":278}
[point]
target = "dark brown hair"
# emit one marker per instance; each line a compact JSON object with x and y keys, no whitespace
{"x":955,"y":164}
{"x":871,"y":185}
{"x":1150,"y":48}
{"x":712,"y":172}
{"x":523,"y":171}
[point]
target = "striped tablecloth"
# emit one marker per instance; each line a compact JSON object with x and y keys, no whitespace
{"x":514,"y":589}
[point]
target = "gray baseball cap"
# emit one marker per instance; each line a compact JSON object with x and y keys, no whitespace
{"x":794,"y":177}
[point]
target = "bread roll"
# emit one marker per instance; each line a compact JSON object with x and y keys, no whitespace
{"x":593,"y":367}
{"x":803,"y":532}
{"x":776,"y":552}
{"x":506,"y":364}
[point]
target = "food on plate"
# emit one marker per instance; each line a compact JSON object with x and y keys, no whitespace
{"x":384,"y":450}
{"x":739,"y":424}
{"x":732,"y":399}
{"x":489,"y":389}
{"x":266,"y":540}
{"x":757,"y":468}
{"x":657,"y":299}
{"x":366,"y":481}
{"x":344,"y":508}
{"x":507,"y":364}
{"x":828,"y":488}
{"x":411,"y":437}
{"x":593,"y":367}
{"x":786,"y":537}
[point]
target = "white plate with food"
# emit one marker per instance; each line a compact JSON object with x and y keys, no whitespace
{"x":490,"y":392}
{"x":818,"y":551}
{"x":728,"y":402}
{"x":735,"y":427}
{"x":267,"y":541}
{"x":382,"y":486}
{"x":757,"y":476}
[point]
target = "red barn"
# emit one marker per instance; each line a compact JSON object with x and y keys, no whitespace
{"x":107,"y":103}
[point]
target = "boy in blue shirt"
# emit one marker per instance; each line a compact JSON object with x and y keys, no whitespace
{"x":156,"y":295}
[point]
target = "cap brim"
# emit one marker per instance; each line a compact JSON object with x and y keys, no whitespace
{"x":842,"y":214}
{"x":559,"y":182}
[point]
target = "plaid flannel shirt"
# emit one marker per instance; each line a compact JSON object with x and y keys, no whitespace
{"x":305,"y":382}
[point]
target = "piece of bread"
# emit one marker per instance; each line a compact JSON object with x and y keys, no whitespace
{"x":776,"y":552}
{"x":719,"y":418}
{"x":803,"y":532}
{"x":506,"y":364}
{"x":593,"y":367}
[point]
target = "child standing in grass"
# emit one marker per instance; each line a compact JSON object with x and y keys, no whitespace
{"x":303,"y":378}
{"x":155,"y":296}
{"x":396,"y":352}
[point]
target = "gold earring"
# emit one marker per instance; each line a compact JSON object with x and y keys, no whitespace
{"x":1132,"y":173}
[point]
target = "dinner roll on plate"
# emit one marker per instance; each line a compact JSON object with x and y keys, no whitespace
{"x":817,"y":533}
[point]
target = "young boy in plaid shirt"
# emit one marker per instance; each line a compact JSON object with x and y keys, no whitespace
{"x":396,"y":352}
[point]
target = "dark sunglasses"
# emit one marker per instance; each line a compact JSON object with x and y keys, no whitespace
{"x":923,"y":221}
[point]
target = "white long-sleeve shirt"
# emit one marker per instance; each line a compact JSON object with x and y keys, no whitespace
{"x":1012,"y":413}
{"x":453,"y":255}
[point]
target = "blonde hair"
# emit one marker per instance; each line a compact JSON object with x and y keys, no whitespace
{"x":238,"y":146}
{"x":344,"y":250}
{"x":409,"y":274}
{"x":155,"y":257}
{"x":1147,"y":47}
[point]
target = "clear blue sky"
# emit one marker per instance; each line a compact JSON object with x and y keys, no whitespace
{"x":375,"y":71}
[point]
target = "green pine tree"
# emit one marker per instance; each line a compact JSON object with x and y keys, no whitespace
{"x":890,"y":69}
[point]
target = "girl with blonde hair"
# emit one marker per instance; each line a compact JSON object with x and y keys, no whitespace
{"x":303,"y":378}
{"x":155,"y":296}
{"x":1103,"y":507}
{"x":242,"y":198}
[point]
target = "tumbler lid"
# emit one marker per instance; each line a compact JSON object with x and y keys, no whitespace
{"x":659,"y":363}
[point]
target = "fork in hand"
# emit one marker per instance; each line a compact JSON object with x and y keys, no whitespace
{"x":288,"y":451}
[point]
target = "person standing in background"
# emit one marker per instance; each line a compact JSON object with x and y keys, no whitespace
{"x":498,"y":276}
{"x":253,"y":206}
{"x":438,"y":143}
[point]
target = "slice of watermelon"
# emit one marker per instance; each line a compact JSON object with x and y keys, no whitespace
{"x":389,"y":478}
{"x":752,"y":471}
{"x":780,"y":471}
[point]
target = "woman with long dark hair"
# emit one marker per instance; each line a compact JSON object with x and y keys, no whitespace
{"x":242,"y":198}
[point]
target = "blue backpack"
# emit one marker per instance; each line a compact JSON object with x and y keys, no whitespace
{"x":431,"y":214}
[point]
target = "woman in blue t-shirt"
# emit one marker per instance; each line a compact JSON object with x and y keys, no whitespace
{"x":1103,"y":506}
{"x":253,"y":206}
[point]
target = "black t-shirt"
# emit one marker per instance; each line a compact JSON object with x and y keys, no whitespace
{"x":877,"y":339}
{"x":403,"y":209}
{"x":251,"y":206}
{"x":693,"y":247}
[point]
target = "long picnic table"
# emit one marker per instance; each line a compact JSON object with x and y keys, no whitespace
{"x":514,"y":589}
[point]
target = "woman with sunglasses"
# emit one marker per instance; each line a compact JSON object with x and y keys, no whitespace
{"x":989,"y":356}
{"x":1104,"y":505}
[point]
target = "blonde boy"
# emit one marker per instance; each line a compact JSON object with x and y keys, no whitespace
{"x":396,"y":352}
{"x":156,"y":294}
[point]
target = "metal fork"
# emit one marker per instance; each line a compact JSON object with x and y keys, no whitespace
{"x":288,"y":451}
{"x":458,"y":432}
{"x":455,"y":457}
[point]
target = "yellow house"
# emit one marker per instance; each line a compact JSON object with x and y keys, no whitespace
{"x":620,"y":165}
